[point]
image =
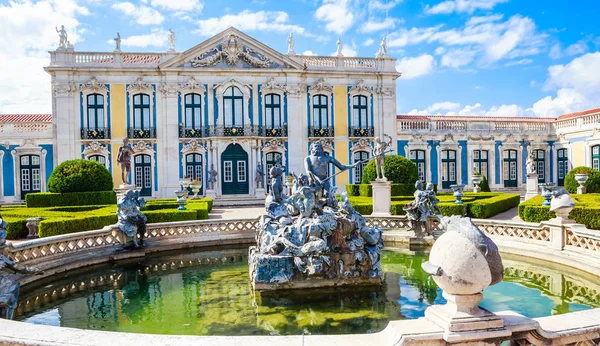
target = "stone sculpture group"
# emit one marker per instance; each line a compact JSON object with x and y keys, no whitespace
{"x":309,"y":239}
{"x":130,"y":219}
{"x":424,"y":206}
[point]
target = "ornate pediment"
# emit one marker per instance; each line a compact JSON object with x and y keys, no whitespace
{"x":140,"y":86}
{"x":320,"y":87}
{"x":231,"y":49}
{"x":360,"y":87}
{"x":94,"y":86}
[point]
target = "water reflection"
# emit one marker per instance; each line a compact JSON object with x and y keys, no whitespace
{"x":209,"y":293}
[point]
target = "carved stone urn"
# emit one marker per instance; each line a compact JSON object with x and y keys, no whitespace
{"x":33,"y":224}
{"x":581,"y":178}
{"x":476,"y":179}
{"x":547,"y":190}
{"x":458,"y":192}
{"x":195,"y":186}
{"x":181,"y":196}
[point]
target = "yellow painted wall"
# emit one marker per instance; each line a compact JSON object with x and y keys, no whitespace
{"x":340,"y":100}
{"x":118,"y":115}
{"x":578,"y":150}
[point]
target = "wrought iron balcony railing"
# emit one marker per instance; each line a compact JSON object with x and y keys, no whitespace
{"x":196,"y":132}
{"x":320,"y":131}
{"x":95,"y":133}
{"x":148,"y":132}
{"x":275,"y":131}
{"x":365,"y":131}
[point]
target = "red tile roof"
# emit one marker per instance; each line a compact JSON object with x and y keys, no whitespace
{"x":25,"y":118}
{"x":576,"y":114}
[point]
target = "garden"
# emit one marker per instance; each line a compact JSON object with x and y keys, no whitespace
{"x":81,"y":198}
{"x":403,"y":174}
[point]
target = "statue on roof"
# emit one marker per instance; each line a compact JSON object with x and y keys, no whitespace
{"x":339,"y":47}
{"x":118,"y":43}
{"x":382,"y":52}
{"x":62,"y":36}
{"x":172,"y":39}
{"x":290,"y":42}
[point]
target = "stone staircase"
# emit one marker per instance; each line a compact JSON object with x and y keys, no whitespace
{"x":238,"y":200}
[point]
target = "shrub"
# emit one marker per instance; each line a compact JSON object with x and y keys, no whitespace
{"x":586,"y":211}
{"x":484,"y":185}
{"x":484,"y":208}
{"x":398,"y":169}
{"x":49,"y":199}
{"x":80,"y":176}
{"x":366,"y":190}
{"x":592,"y":185}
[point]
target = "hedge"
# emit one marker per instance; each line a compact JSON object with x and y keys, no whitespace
{"x":80,"y":176}
{"x":366,"y":190}
{"x":49,"y":199}
{"x":586,"y":211}
{"x":64,"y":220}
{"x":592,"y":185}
{"x":398,"y":169}
{"x":482,"y":205}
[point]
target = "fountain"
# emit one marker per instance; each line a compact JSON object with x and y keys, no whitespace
{"x":308,"y":238}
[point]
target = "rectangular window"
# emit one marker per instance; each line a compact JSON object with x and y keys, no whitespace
{"x":484,"y":154}
{"x":476,"y":154}
{"x":147,"y":177}
{"x":560,"y":170}
{"x":25,"y":160}
{"x":540,"y":170}
{"x":421,"y":170}
{"x":595,"y":164}
{"x":25,"y":179}
{"x":35,"y":179}
{"x":513,"y":170}
{"x":241,"y":171}
{"x":138,"y":177}
{"x":35,"y":160}
{"x":483,"y":169}
{"x":189,"y":171}
{"x":505,"y":170}
{"x":227,"y":171}
{"x":413,"y":155}
{"x":444,"y":171}
{"x":452,"y":173}
{"x":596,"y":150}
{"x":198,"y":173}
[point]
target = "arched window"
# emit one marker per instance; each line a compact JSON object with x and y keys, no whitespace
{"x":141,"y":111}
{"x":273,"y":111}
{"x":418,"y":157}
{"x":233,"y":109}
{"x":448,"y":168}
{"x":359,"y":111}
{"x":509,"y":168}
{"x":193,"y":114}
{"x":358,"y":170}
{"x":30,"y":174}
{"x":563,"y":165}
{"x":540,"y":165}
{"x":95,"y":112}
{"x":98,"y":158}
{"x":320,"y":113}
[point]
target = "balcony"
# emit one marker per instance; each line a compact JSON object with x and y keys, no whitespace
{"x":275,"y":131}
{"x":197,"y":132}
{"x":320,"y":131}
{"x":136,"y":133}
{"x":365,"y":131}
{"x":95,"y":133}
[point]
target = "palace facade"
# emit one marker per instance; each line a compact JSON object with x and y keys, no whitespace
{"x":233,"y":104}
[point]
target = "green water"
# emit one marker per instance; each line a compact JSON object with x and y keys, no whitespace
{"x":209,"y":293}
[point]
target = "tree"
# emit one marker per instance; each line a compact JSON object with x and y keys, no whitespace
{"x":592,"y":185}
{"x":398,"y":170}
{"x":80,"y":176}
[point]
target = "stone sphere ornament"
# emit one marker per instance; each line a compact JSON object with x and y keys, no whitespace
{"x":463,"y":260}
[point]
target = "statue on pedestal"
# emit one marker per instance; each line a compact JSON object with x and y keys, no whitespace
{"x":382,"y":52}
{"x":131,"y":221}
{"x":420,"y":209}
{"x":124,"y":159}
{"x":258,"y":180}
{"x":62,"y":37}
{"x":290,"y":42}
{"x":171,"y":39}
{"x":9,"y":287}
{"x":118,"y":43}
{"x":379,"y":150}
{"x":212,"y":177}
{"x":530,"y":163}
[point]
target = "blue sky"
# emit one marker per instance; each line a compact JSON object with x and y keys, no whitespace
{"x":458,"y":57}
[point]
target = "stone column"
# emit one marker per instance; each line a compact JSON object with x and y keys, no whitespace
{"x":297,"y":129}
{"x":168,"y":146}
{"x":66,"y":123}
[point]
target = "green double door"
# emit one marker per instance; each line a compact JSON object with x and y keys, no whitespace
{"x":234,"y":171}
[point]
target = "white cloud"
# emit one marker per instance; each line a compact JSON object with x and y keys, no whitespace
{"x":440,"y":50}
{"x":378,"y":5}
{"x":462,"y":6}
{"x":566,"y":101}
{"x":555,"y":52}
{"x":374,"y":24}
{"x":491,"y":39}
{"x":142,"y":15}
{"x":179,"y":5}
{"x":309,"y":53}
{"x":368,"y":42}
{"x":246,"y":20}
{"x":519,"y":62}
{"x":577,"y":48}
{"x":458,"y":57}
{"x":157,"y":38}
{"x":436,"y":108}
{"x":453,"y":109}
{"x":582,"y":73}
{"x":28,"y":33}
{"x":337,"y":15}
{"x":416,"y":67}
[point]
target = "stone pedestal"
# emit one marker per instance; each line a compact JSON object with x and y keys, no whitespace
{"x":532,"y":186}
{"x":260,"y":193}
{"x":382,"y":198}
{"x":123,"y":188}
{"x":462,"y":319}
{"x":33,"y":224}
{"x":581,"y":190}
{"x":211,"y":194}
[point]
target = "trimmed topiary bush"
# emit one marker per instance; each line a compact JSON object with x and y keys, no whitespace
{"x":586,"y":211}
{"x":398,"y":170}
{"x":80,"y":176}
{"x":485,"y":185}
{"x":592,"y":185}
{"x":49,"y":199}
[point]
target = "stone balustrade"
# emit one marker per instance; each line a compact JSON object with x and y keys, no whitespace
{"x":475,"y":125}
{"x":39,"y":130}
{"x":92,"y":59}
